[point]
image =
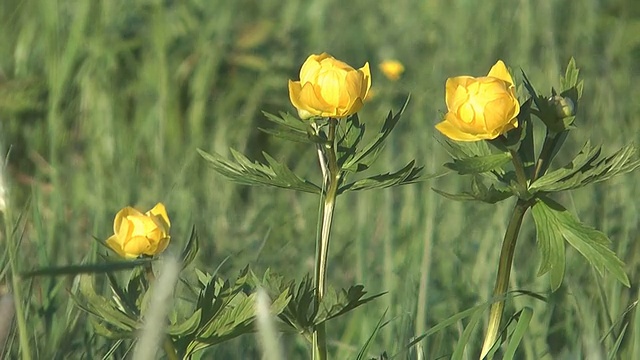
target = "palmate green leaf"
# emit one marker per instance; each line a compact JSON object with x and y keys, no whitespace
{"x":363,"y":158}
{"x":407,"y":175}
{"x":246,"y":172}
{"x":479,"y":164}
{"x":289,"y":127}
{"x":339,"y":302}
{"x":187,"y":326}
{"x":587,"y":168}
{"x":190,"y":249}
{"x":591,"y":243}
{"x":550,"y":245}
{"x":479,"y":192}
{"x":351,"y":133}
{"x":96,"y":305}
{"x":570,"y":78}
{"x":464,"y":149}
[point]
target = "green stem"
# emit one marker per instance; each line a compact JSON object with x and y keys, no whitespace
{"x":550,"y":146}
{"x":521,"y":175}
{"x":504,"y":272}
{"x":327,"y":158}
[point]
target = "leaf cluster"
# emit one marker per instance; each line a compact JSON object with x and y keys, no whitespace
{"x":219,"y":309}
{"x":356,"y":151}
{"x":304,"y":312}
{"x":509,"y":167}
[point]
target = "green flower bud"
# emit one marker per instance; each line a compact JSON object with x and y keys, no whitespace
{"x":563,"y":106}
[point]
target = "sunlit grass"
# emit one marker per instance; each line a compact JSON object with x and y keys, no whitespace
{"x":103,"y":105}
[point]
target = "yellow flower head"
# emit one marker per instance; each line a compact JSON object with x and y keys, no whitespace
{"x":138,"y":234}
{"x":329,"y":88}
{"x":392,"y":69}
{"x":480,"y":108}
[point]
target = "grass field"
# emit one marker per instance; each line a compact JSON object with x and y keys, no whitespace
{"x":103,"y":104}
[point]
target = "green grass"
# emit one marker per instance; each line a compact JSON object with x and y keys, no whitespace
{"x":104,"y":103}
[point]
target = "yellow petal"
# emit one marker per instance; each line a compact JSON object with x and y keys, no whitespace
{"x":452,"y":132}
{"x":136,"y":246}
{"x":121,"y":215}
{"x":116,"y":245}
{"x":366,"y":80}
{"x":455,"y":92}
{"x":310,"y":67}
{"x":311,"y":100}
{"x":499,"y":71}
{"x":160,"y":211}
{"x":331,"y":85}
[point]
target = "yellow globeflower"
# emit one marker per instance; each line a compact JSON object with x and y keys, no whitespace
{"x":480,"y":108}
{"x":392,"y":69}
{"x":329,"y":88}
{"x":138,"y":234}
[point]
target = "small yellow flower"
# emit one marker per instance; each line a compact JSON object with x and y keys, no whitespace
{"x":392,"y":69}
{"x":329,"y":88}
{"x":138,"y":234}
{"x":480,"y":108}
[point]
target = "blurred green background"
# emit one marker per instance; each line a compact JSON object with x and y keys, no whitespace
{"x":103,"y":104}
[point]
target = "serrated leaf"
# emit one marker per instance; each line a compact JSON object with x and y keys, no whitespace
{"x":479,"y":192}
{"x":100,"y":307}
{"x":187,"y":326}
{"x":363,"y":158}
{"x":288,"y":134}
{"x":550,"y":245}
{"x":591,"y":243}
{"x":191,"y":248}
{"x":349,"y":139}
{"x":246,"y":172}
{"x":288,"y":121}
{"x":479,"y":164}
{"x":587,"y":169}
{"x":406,"y":175}
{"x":336,"y":303}
{"x":570,"y":78}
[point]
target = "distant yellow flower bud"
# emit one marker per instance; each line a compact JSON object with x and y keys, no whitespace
{"x":138,"y":234}
{"x":329,"y":88}
{"x":480,"y":108}
{"x":392,"y":69}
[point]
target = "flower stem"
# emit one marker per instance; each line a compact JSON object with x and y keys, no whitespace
{"x":331,"y":172}
{"x":504,"y":272}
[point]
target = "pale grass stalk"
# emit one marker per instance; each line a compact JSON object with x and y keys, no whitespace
{"x":267,"y":333}
{"x":152,"y":335}
{"x":7,"y":311}
{"x":11,"y":240}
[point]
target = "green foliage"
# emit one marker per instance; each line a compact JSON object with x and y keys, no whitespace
{"x":303,"y":312}
{"x":479,"y":164}
{"x":588,"y":168}
{"x":554,"y":223}
{"x":246,"y":172}
{"x":103,"y":104}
